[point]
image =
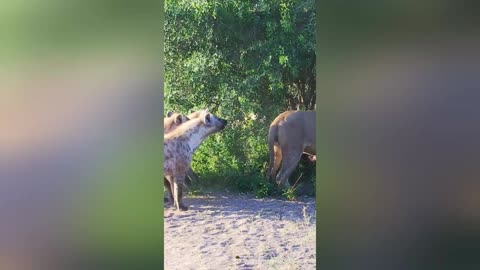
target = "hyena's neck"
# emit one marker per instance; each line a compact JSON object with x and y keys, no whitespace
{"x":193,"y":133}
{"x":195,"y":137}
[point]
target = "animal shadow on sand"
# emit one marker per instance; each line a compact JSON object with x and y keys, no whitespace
{"x":229,"y":205}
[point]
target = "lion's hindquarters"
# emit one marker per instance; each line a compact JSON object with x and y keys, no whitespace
{"x":291,"y":157}
{"x":290,"y":134}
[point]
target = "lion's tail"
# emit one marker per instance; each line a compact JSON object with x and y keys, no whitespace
{"x":272,"y":138}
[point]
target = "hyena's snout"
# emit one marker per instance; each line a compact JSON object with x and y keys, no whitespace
{"x":223,"y":123}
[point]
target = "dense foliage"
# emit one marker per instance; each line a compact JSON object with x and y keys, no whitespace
{"x":246,"y":61}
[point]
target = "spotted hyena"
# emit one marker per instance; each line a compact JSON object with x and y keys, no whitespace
{"x":171,"y":122}
{"x":179,"y":146}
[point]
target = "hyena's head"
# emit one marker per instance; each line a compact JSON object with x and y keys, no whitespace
{"x":210,"y":122}
{"x":173,"y":120}
{"x":195,"y":114}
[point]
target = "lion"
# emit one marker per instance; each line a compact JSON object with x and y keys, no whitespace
{"x":291,"y":134}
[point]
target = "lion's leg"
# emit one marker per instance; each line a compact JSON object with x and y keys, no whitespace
{"x":277,"y":151}
{"x":178,"y":182}
{"x":290,"y":162}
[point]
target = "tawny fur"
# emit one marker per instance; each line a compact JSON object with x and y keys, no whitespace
{"x":194,"y":114}
{"x":291,"y":134}
{"x":172,"y":121}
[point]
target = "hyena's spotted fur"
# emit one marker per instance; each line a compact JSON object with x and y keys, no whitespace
{"x":179,"y":146}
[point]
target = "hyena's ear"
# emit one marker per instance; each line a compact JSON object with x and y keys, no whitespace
{"x":179,"y":119}
{"x":169,"y":114}
{"x":208,"y":119}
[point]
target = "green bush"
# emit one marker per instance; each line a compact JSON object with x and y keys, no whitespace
{"x":290,"y":194}
{"x":247,"y":62}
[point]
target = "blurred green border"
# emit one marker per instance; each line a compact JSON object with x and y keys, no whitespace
{"x":43,"y":32}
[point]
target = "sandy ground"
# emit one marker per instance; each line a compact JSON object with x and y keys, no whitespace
{"x":232,"y":231}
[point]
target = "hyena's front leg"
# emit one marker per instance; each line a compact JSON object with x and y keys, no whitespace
{"x":178,"y":182}
{"x":168,"y":185}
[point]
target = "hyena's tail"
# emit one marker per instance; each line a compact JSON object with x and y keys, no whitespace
{"x":272,"y":139}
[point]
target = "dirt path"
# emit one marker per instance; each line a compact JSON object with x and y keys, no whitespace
{"x":231,"y":231}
